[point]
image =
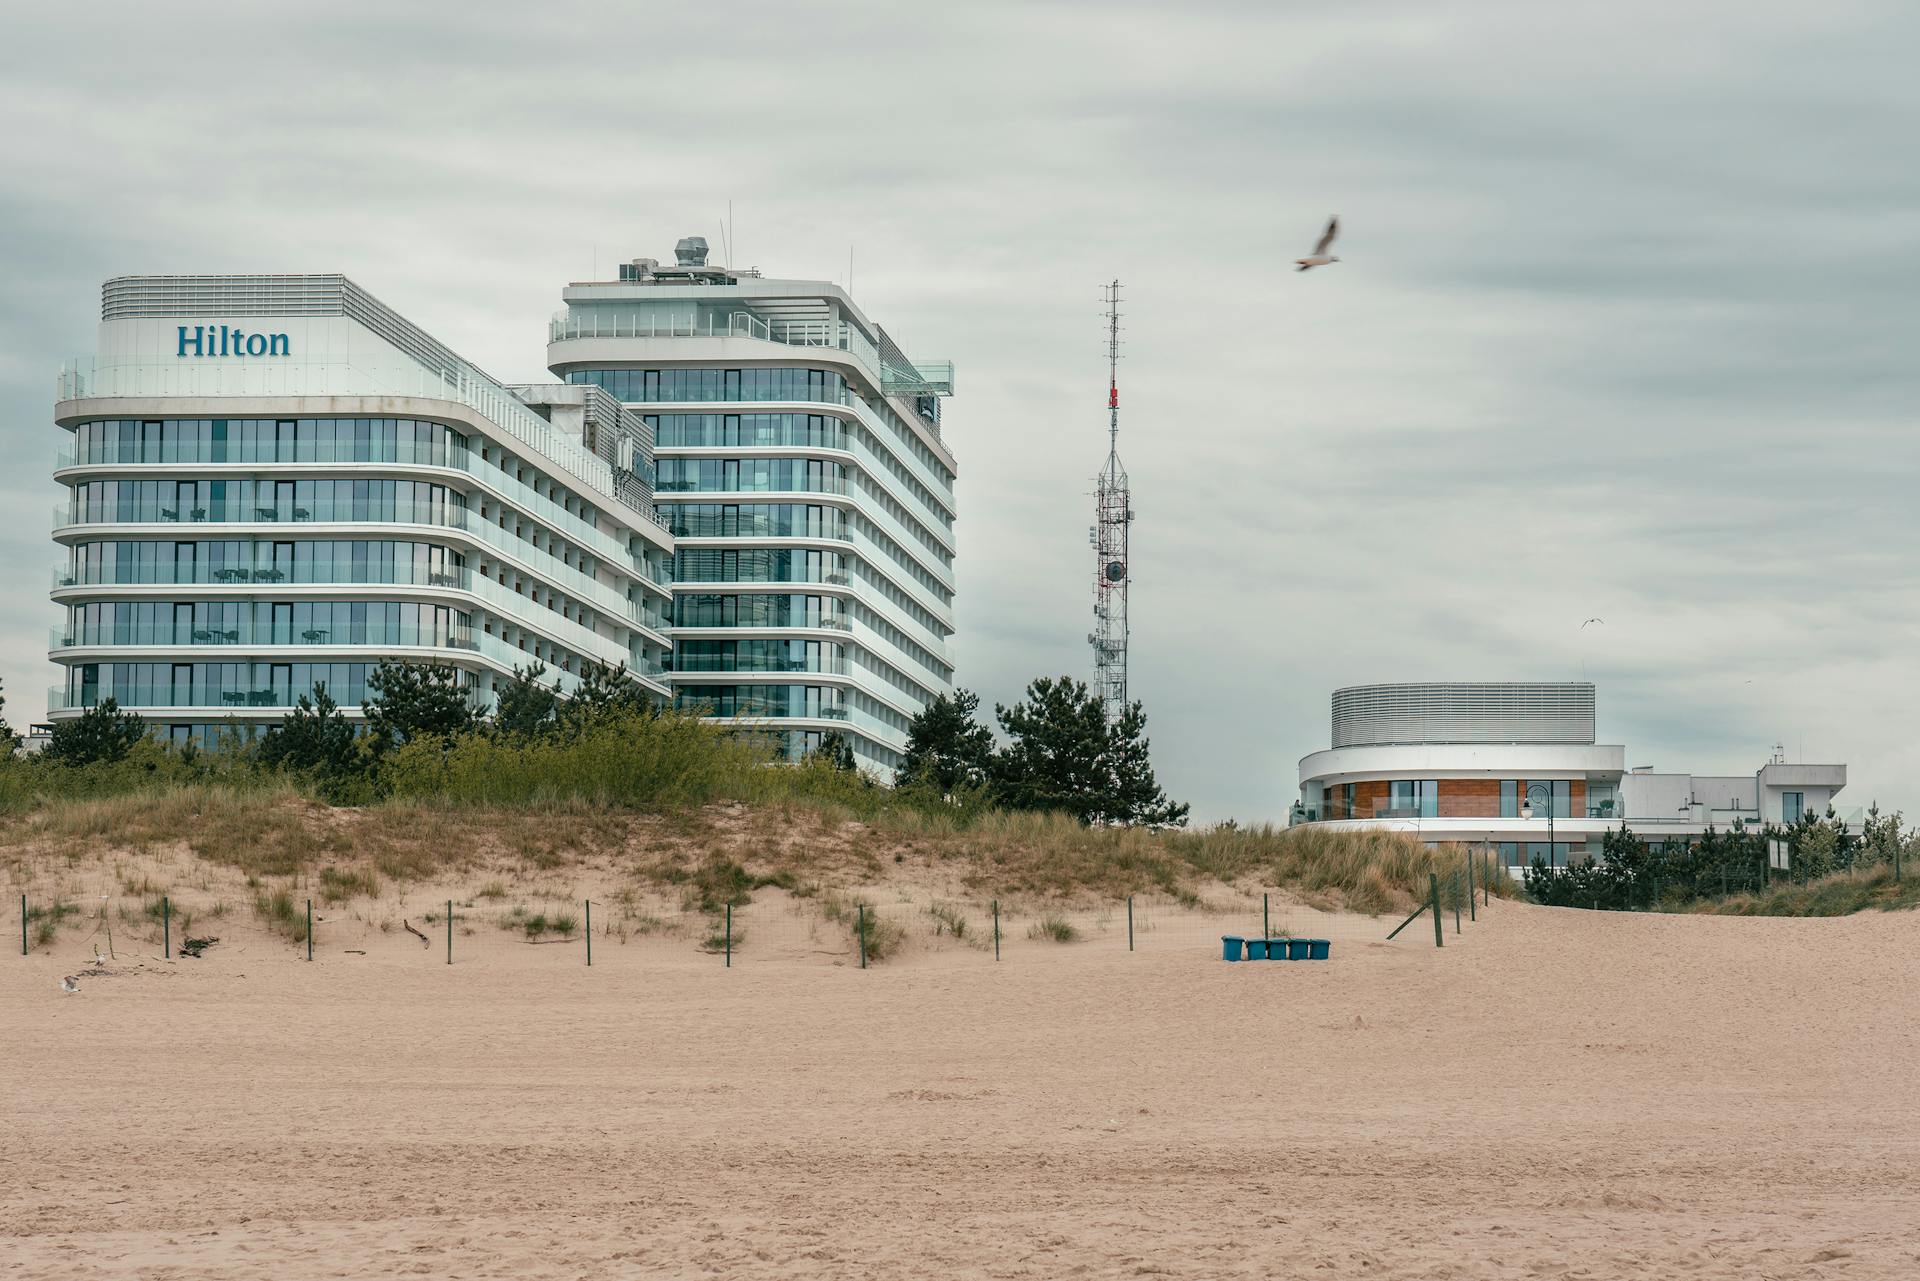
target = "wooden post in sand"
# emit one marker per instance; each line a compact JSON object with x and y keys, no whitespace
{"x":23,"y":926}
{"x":1433,"y":889}
{"x":861,"y":928}
{"x":729,"y":936}
{"x":589,"y":903}
{"x":449,"y":932}
{"x":1266,"y":916}
{"x":996,"y":928}
{"x":1129,"y":922}
{"x":310,"y":930}
{"x":166,"y":930}
{"x":1472,"y":915}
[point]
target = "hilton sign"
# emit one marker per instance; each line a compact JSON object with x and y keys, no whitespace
{"x":219,"y":340}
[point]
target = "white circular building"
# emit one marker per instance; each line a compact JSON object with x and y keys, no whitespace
{"x":1514,"y":765}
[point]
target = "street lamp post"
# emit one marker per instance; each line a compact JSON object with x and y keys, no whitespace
{"x":1526,"y":812}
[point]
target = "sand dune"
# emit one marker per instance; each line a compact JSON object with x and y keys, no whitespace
{"x":1554,"y":1094}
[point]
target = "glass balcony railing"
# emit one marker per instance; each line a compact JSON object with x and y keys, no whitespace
{"x":250,"y":635}
{"x":540,"y":563}
{"x":513,"y":607}
{"x":1456,"y":807}
{"x":599,"y":322}
{"x":379,"y":375}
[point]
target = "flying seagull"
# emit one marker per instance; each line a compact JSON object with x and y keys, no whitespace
{"x":1601,"y":621}
{"x":1320,"y":257}
{"x":68,"y":986}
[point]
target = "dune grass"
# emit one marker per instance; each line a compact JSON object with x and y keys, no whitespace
{"x":1841,"y":894}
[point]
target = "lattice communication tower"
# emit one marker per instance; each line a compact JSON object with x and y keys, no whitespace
{"x":1112,"y":514}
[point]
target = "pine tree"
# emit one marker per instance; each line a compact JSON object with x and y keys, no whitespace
{"x":102,"y":733}
{"x":415,"y":700}
{"x":527,"y":706}
{"x":947,"y":748}
{"x":835,"y":752}
{"x":604,"y":691}
{"x":1064,"y":754}
{"x":315,"y":736}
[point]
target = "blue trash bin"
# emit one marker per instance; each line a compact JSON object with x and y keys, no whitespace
{"x":1276,"y":949}
{"x":1319,"y":949}
{"x":1230,"y":946}
{"x":1256,"y":949}
{"x":1298,"y":949}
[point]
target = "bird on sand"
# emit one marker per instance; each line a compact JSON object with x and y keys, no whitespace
{"x":68,"y":986}
{"x":1601,"y":621}
{"x":1320,"y":257}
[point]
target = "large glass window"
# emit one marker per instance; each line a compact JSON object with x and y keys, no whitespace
{"x":1792,"y":806}
{"x":714,"y":609}
{"x":260,"y":500}
{"x":758,"y":565}
{"x":240,"y":622}
{"x":695,"y":385}
{"x":709,"y":475}
{"x":269,"y":440}
{"x":1413,"y":798}
{"x":683,"y":431}
{"x":1548,"y":797}
{"x":762,"y":700}
{"x":1510,"y":798}
{"x":758,"y":656}
{"x":231,"y":685}
{"x":754,"y":520}
{"x":235,"y":561}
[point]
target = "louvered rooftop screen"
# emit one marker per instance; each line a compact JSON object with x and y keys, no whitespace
{"x":1468,"y":712}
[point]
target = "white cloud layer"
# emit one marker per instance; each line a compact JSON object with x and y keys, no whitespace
{"x":1621,"y":328}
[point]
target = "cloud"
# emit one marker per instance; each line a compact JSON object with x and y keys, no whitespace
{"x":1621,"y":329}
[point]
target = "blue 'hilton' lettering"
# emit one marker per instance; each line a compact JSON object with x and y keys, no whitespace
{"x":219,"y":340}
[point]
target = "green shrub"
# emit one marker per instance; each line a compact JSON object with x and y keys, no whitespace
{"x":1053,"y":926}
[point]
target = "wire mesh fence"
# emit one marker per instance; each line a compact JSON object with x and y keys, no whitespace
{"x":87,"y":916}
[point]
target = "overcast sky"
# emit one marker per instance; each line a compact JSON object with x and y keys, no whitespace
{"x":1625,"y":326}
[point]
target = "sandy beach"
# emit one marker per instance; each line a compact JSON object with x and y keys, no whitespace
{"x":1555,"y":1094}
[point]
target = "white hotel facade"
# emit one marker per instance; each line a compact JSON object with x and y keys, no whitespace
{"x":1515,"y":766}
{"x":274,"y":481}
{"x":807,"y":485}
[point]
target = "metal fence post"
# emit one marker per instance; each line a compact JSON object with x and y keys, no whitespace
{"x":1129,"y":922}
{"x":1266,"y":916}
{"x":166,"y":929}
{"x":1486,"y":881}
{"x":1453,"y":892}
{"x":729,"y":936}
{"x":996,"y":929}
{"x":1433,"y":889}
{"x":23,"y":925}
{"x":1472,"y":914}
{"x":862,"y":927}
{"x":449,"y":932}
{"x":589,"y":903}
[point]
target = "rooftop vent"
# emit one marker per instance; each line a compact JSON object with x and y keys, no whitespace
{"x":691,"y":251}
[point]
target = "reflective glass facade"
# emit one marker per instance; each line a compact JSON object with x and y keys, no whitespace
{"x":260,"y":500}
{"x":268,"y":440}
{"x":258,"y":622}
{"x":692,"y":386}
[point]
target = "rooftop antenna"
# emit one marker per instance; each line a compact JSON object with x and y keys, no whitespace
{"x":1112,"y":514}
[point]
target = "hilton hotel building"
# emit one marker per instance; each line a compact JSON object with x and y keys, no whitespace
{"x":273,"y":481}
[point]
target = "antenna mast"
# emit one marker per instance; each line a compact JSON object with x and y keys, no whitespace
{"x":1112,"y":513}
